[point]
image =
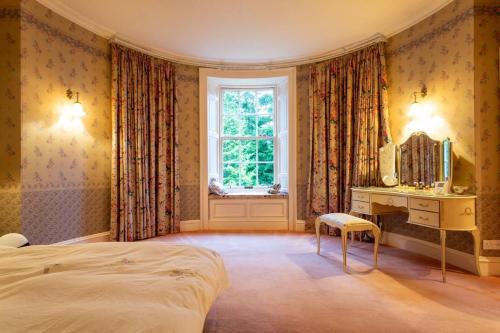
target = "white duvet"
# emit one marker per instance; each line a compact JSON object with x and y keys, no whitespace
{"x":108,"y":287}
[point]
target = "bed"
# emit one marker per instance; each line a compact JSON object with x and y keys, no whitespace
{"x":108,"y":287}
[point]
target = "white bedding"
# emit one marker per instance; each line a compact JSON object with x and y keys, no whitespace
{"x":108,"y":287}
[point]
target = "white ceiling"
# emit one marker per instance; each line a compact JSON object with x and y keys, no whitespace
{"x":239,"y":31}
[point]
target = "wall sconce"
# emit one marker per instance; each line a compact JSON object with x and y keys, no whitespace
{"x":416,"y":107}
{"x":76,"y":110}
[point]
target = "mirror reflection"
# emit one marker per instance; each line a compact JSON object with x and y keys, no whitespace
{"x":420,"y":160}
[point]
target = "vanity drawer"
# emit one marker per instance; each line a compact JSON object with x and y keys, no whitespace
{"x":360,"y":196}
{"x":425,"y":218}
{"x":425,"y":204}
{"x":389,"y":200}
{"x":360,"y":207}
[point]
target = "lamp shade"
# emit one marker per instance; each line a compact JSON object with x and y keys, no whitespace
{"x":77,"y":110}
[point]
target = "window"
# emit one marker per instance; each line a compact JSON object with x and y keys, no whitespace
{"x":248,"y":136}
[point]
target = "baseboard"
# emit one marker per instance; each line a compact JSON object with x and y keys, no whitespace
{"x":247,"y":226}
{"x":489,"y":265}
{"x":94,"y":238}
{"x":300,"y":226}
{"x":190,"y":225}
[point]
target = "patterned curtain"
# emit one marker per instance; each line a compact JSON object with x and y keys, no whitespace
{"x":349,"y":122}
{"x":145,"y":194}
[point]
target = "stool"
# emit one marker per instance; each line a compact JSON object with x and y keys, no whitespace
{"x":348,"y":223}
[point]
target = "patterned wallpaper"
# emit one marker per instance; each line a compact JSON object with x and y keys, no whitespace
{"x":442,"y":52}
{"x":437,"y":52}
{"x":303,"y":140}
{"x":10,"y":117}
{"x":65,"y":168}
{"x":487,"y":116}
{"x":189,"y":144}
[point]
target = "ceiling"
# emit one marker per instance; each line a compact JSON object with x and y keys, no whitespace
{"x":245,"y":32}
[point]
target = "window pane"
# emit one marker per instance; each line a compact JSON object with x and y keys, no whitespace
{"x":266,"y":150}
{"x":247,"y":101}
{"x":266,"y":174}
{"x":230,"y":151}
{"x":248,"y":150}
{"x":231,"y":101}
{"x":231,"y":126}
{"x":265,"y":101}
{"x":266,"y":126}
{"x":248,"y":126}
{"x":231,"y":174}
{"x":248,"y":174}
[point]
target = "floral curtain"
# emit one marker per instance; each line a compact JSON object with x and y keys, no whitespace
{"x":145,"y":194}
{"x":349,"y":122}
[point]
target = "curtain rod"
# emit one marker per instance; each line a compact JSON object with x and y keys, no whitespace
{"x":198,"y":62}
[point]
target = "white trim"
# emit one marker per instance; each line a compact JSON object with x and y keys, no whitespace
{"x":190,"y":225}
{"x":300,"y":226}
{"x":489,"y":265}
{"x":290,"y":75}
{"x":100,"y":237}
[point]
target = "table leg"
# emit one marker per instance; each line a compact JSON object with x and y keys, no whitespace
{"x":317,"y":224}
{"x":477,"y":244}
{"x":443,"y":253}
{"x":343,"y":233}
{"x":376,"y":235}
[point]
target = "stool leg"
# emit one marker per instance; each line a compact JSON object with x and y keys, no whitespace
{"x":317,"y":224}
{"x":376,"y":235}
{"x":343,"y":234}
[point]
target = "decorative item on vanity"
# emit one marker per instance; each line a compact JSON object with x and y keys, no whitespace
{"x":216,"y":188}
{"x":274,"y":189}
{"x":458,"y":189}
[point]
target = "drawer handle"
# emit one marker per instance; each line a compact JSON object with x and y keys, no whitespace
{"x":360,"y":207}
{"x":423,"y":218}
{"x":423,"y":205}
{"x":390,"y":201}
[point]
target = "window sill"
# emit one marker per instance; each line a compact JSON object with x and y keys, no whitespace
{"x":249,"y":195}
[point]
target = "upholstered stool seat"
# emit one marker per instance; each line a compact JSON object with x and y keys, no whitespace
{"x":348,"y":223}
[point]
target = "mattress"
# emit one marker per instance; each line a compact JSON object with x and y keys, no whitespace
{"x":108,"y":287}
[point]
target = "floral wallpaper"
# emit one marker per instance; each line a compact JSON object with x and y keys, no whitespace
{"x":444,"y":52}
{"x":487,"y":116}
{"x":189,"y":144}
{"x":65,"y":169}
{"x":10,"y":117}
{"x":303,"y":140}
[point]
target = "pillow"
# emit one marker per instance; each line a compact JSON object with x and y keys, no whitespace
{"x":216,"y":188}
{"x":13,"y":240}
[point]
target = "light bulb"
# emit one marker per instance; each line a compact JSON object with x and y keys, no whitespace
{"x":77,"y":110}
{"x":415,"y":109}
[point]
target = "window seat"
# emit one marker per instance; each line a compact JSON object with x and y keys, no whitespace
{"x":249,"y":195}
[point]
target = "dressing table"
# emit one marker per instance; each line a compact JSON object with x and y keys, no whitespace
{"x":443,"y":210}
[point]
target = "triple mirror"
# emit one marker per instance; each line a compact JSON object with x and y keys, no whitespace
{"x":422,"y":161}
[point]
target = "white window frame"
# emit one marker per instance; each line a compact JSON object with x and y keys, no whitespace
{"x":207,"y":77}
{"x":275,"y":161}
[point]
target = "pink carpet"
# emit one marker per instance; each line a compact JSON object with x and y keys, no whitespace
{"x":279,"y":284}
